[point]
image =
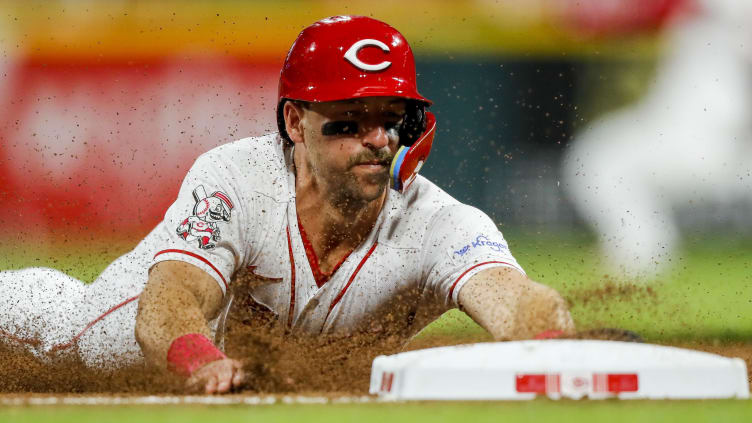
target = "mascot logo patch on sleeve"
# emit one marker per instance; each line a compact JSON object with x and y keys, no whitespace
{"x":209,"y":210}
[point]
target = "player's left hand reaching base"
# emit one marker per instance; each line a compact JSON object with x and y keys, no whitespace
{"x":172,"y":328}
{"x":217,"y":377}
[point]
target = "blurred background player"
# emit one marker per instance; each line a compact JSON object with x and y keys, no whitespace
{"x":686,"y":144}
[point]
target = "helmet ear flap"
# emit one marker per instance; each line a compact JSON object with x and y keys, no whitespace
{"x":281,"y":120}
{"x":414,"y":124}
{"x":408,"y":160}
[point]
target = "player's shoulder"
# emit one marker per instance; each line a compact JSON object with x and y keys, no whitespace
{"x":424,"y":208}
{"x":255,"y":163}
{"x":426,"y":196}
{"x":266,"y":151}
{"x":425,"y":199}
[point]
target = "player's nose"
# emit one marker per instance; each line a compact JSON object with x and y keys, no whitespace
{"x":375,"y":137}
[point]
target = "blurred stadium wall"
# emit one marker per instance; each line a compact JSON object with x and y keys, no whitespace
{"x":104,"y":105}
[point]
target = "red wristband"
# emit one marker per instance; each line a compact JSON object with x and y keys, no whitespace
{"x":190,"y":352}
{"x":549,"y":334}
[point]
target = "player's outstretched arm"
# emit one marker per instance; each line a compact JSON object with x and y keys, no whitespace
{"x":510,"y":306}
{"x":172,"y":321}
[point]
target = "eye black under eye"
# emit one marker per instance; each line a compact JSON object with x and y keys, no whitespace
{"x":344,"y":127}
{"x":392,"y":125}
{"x":340,"y":127}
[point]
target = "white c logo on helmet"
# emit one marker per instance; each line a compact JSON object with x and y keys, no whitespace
{"x":352,"y":55}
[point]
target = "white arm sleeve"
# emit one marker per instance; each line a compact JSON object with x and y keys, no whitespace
{"x":204,"y":226}
{"x":461,"y":242}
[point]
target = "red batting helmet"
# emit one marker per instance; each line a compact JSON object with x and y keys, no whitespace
{"x":346,"y":57}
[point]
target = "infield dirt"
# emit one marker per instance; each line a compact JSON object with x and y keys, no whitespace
{"x":283,"y":367}
{"x":278,"y":363}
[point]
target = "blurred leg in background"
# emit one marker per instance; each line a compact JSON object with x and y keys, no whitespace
{"x":686,"y":144}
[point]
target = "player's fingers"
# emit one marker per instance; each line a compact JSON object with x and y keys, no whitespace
{"x":225,"y":376}
{"x":238,"y":379}
{"x":195,"y":383}
{"x":223,"y":384}
{"x":211,"y":384}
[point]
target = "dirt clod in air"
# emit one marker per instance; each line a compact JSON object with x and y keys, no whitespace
{"x":613,"y":291}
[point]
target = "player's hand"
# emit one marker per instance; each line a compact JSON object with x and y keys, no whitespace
{"x":217,"y":377}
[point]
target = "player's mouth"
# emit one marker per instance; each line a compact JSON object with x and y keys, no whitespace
{"x":377,"y":163}
{"x":372,"y":163}
{"x":372,"y":166}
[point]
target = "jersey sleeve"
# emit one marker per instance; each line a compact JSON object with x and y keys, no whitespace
{"x":461,"y":242}
{"x":204,"y":226}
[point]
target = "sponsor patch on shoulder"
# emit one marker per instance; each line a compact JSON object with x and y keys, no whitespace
{"x":481,"y":241}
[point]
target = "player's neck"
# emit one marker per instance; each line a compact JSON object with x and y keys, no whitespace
{"x":330,"y":222}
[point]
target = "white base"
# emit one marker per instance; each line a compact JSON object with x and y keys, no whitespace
{"x":557,"y":368}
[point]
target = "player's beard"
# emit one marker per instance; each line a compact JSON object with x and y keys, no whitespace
{"x":351,"y":189}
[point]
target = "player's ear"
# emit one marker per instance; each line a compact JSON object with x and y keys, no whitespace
{"x":293,"y":114}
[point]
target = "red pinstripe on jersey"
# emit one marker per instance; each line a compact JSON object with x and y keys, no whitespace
{"x":92,"y":323}
{"x":320,"y":277}
{"x":291,"y":313}
{"x":352,"y":278}
{"x":20,"y":340}
{"x":194,"y":255}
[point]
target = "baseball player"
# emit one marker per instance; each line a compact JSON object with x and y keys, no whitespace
{"x":328,"y":217}
{"x":634,"y":172}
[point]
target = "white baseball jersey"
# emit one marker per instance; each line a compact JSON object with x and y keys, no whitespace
{"x":236,"y":213}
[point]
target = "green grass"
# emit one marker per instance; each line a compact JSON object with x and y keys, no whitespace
{"x":542,"y":410}
{"x":705,"y":295}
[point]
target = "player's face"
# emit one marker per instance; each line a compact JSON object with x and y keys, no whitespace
{"x":351,"y":144}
